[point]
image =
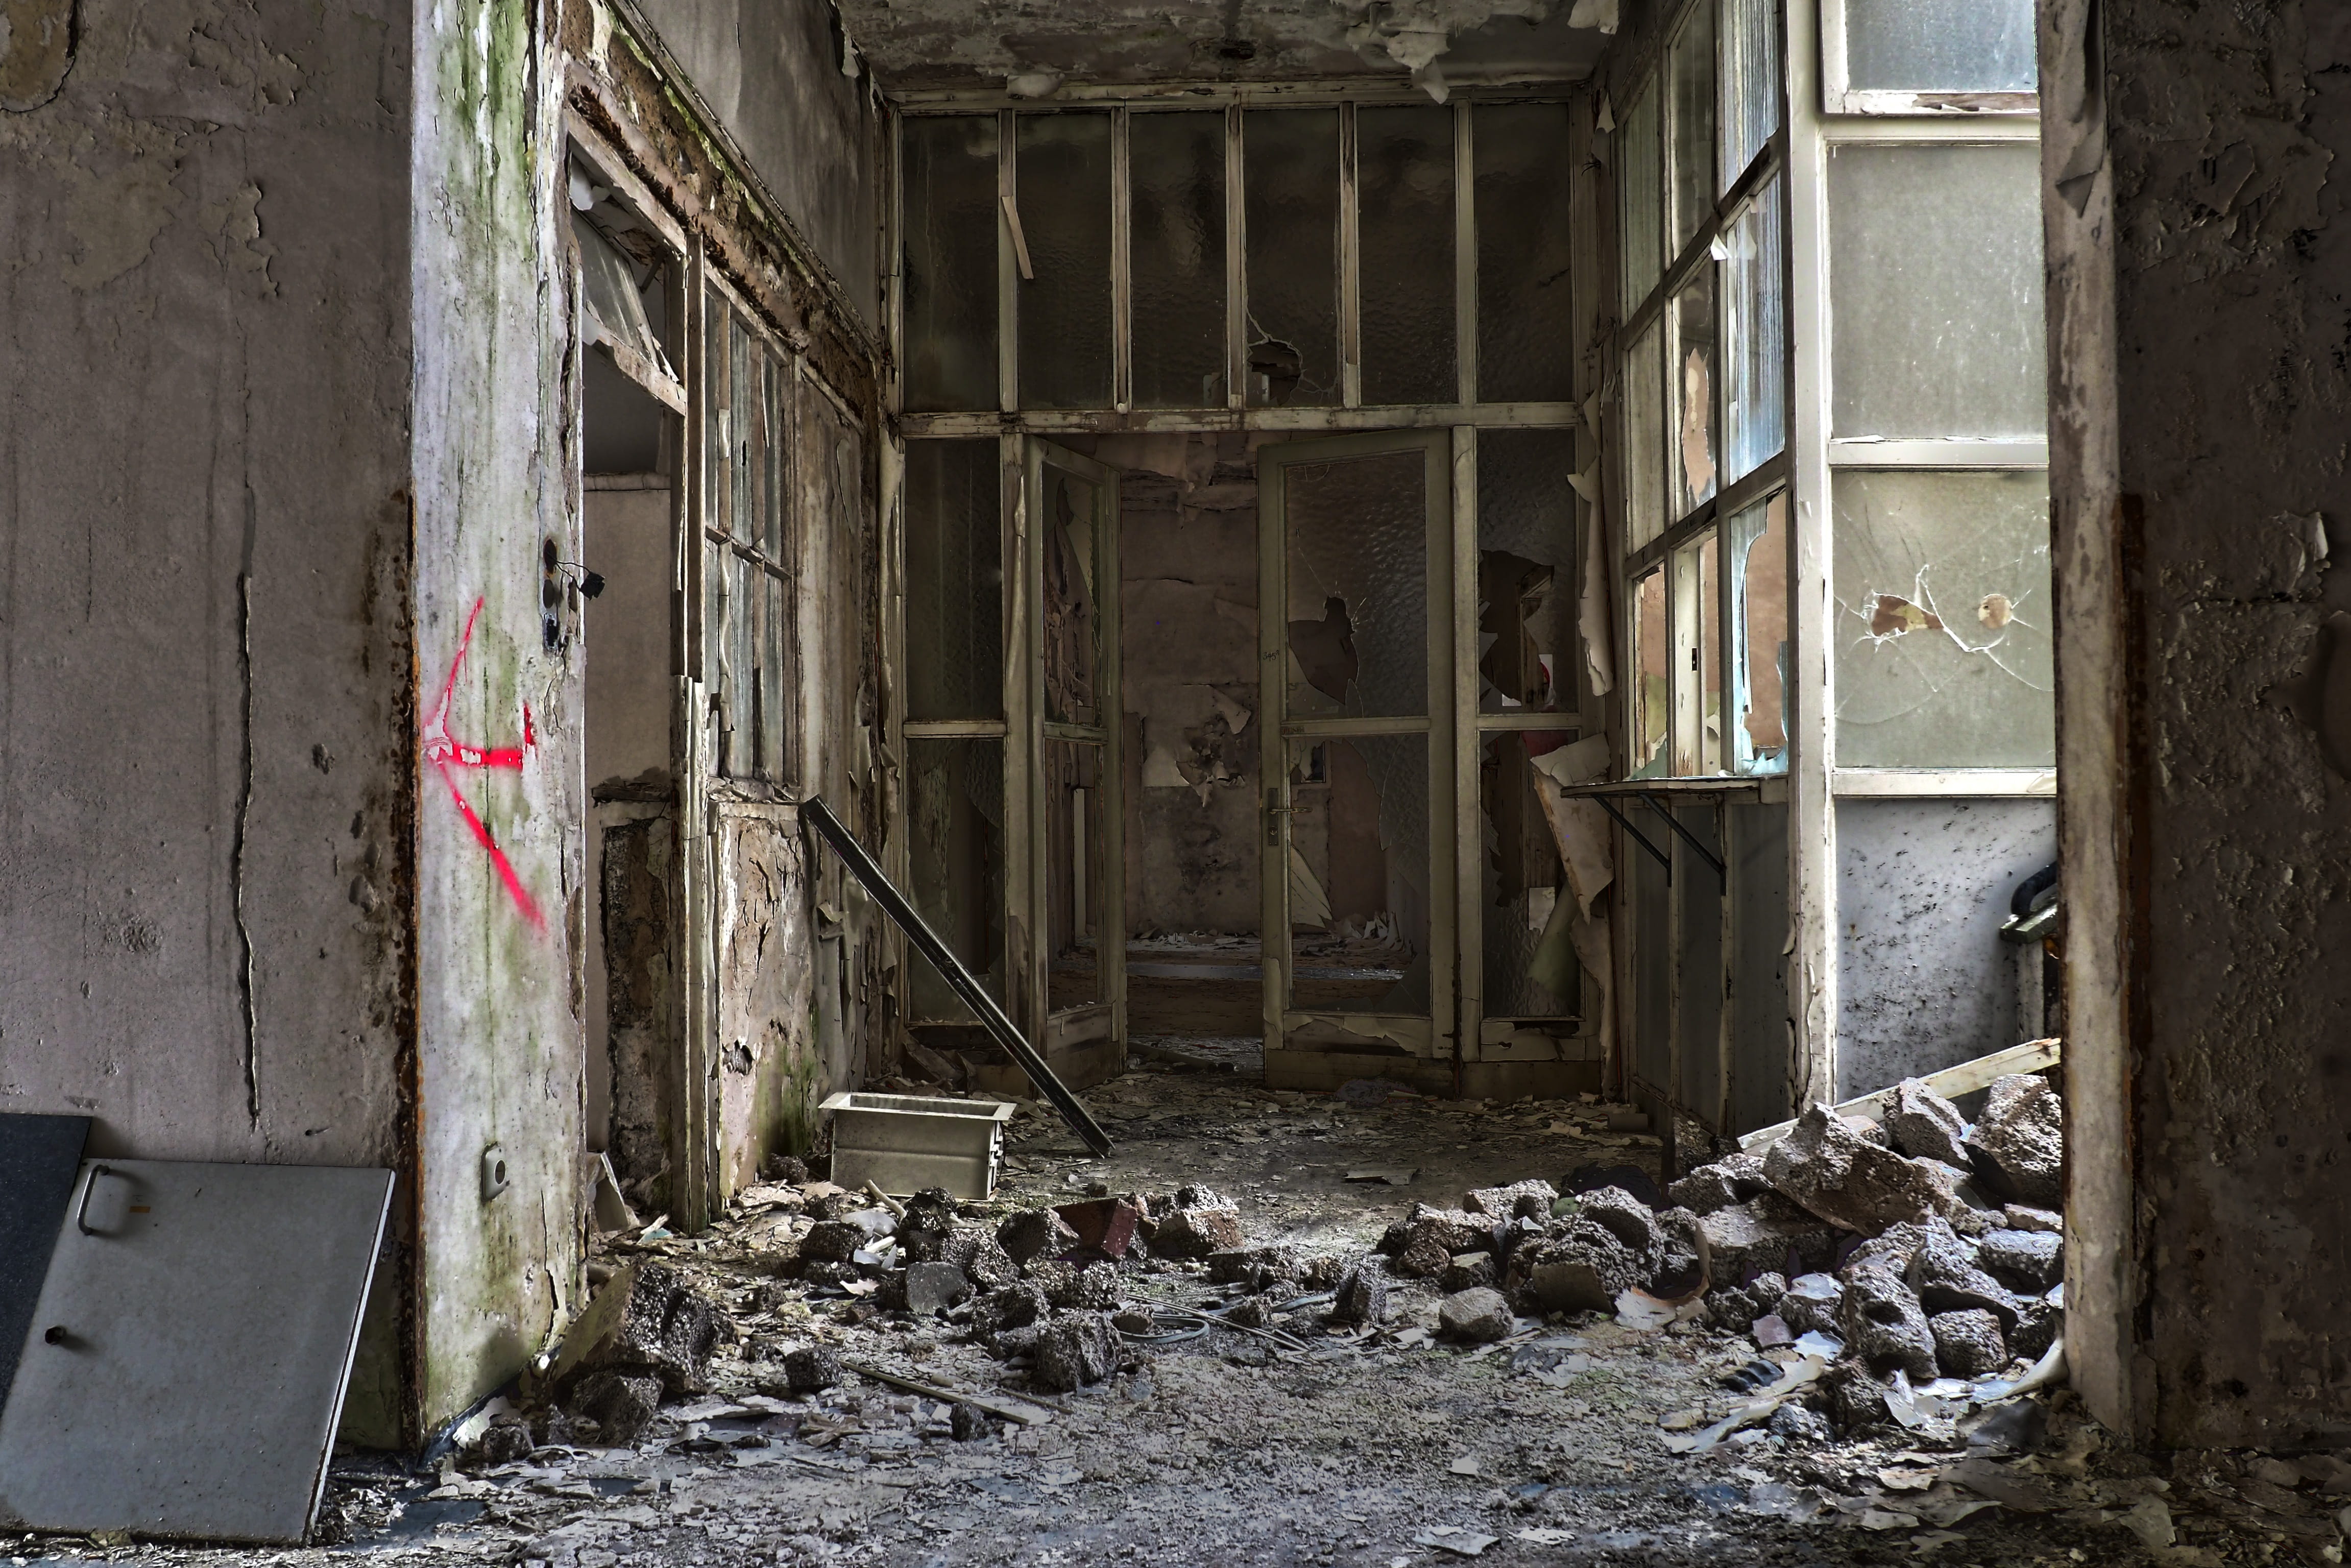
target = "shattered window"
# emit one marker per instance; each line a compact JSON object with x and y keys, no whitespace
{"x":1755,"y":564}
{"x":1689,"y":77}
{"x":1362,"y":875}
{"x":1942,"y":620}
{"x":1072,"y":629}
{"x":1526,"y":570}
{"x":1290,"y":160}
{"x":1644,"y":437}
{"x":1530,"y":959}
{"x":1652,"y":696}
{"x":1934,"y":283}
{"x":1940,"y":46}
{"x":1073,"y":851}
{"x":1403,"y":185}
{"x":1750,"y":83}
{"x":950,"y":219}
{"x":1639,"y":200}
{"x":1356,"y":533}
{"x":1690,"y":367}
{"x":747,"y":632}
{"x":1176,"y":163}
{"x":1525,"y":302}
{"x":1755,"y":323}
{"x":1063,"y":177}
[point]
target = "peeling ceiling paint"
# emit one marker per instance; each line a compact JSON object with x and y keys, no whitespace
{"x":1039,"y":47}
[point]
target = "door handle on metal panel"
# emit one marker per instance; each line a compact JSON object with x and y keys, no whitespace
{"x":81,"y":1210}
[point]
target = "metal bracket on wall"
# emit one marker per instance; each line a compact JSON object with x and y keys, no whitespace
{"x":1707,"y":855}
{"x":927,"y":942}
{"x":1639,"y":837}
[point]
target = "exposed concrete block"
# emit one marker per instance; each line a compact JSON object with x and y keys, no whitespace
{"x":1075,"y":1350}
{"x":2019,"y":1142}
{"x":2026,"y":1260}
{"x":1829,"y":1168}
{"x":1969,"y":1344}
{"x":645,"y":1322}
{"x":1533,"y":1198}
{"x":1923,"y":1125}
{"x":1764,"y":1233}
{"x":1884,"y":1326}
{"x":1732,"y":1179}
{"x":1035,"y":1233}
{"x":1362,"y":1296}
{"x":1476,"y":1317}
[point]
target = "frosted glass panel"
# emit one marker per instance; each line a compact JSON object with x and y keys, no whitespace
{"x":954,"y":581}
{"x":1644,"y":436}
{"x":954,"y":820}
{"x":1943,"y":654}
{"x":1367,"y":876}
{"x":1750,"y":82}
{"x":1065,"y":211}
{"x":1935,"y":284}
{"x":1177,"y":174}
{"x":1526,"y":570}
{"x":1755,"y":319}
{"x":1073,"y":619}
{"x":1755,"y":548}
{"x":1404,"y":175}
{"x":1653,"y":663}
{"x":1525,"y":925}
{"x":1640,"y":198}
{"x":1358,"y":538}
{"x":1690,"y":365}
{"x":1526,"y":328}
{"x":1291,"y":186}
{"x":1689,"y":79}
{"x":951,"y":218}
{"x":1940,"y":45}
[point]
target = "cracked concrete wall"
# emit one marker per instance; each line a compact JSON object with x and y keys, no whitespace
{"x":2199,"y":383}
{"x":207,"y":759}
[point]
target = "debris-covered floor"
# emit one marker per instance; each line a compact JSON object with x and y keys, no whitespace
{"x":1294,"y":1440}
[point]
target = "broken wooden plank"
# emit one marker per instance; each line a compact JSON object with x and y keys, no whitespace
{"x":1027,"y":1414}
{"x":1950,"y":1083}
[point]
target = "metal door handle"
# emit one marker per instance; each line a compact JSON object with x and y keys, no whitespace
{"x":81,"y":1210}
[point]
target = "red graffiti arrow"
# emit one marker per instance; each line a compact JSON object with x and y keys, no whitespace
{"x":447,"y":754}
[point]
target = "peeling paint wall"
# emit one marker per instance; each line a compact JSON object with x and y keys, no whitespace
{"x":207,"y":737}
{"x":2196,"y":250}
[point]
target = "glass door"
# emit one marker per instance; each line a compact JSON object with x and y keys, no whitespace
{"x":1356,"y":670}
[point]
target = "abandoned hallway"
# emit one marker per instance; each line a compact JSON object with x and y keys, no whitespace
{"x":1359,"y":781}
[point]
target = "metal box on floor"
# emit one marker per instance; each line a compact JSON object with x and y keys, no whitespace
{"x":904,"y":1143}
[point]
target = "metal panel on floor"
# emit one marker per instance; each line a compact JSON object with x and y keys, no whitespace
{"x":184,"y":1373}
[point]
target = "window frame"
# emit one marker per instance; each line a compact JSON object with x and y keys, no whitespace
{"x":1839,"y":97}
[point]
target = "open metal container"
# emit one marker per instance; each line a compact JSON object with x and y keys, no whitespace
{"x":904,"y":1143}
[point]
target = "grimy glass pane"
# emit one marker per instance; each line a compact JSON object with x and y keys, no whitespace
{"x":1755,"y":318}
{"x":1750,"y":82}
{"x":1063,"y":178}
{"x":1644,"y":436}
{"x":719,"y":430}
{"x":1364,"y":882}
{"x":1935,"y":290}
{"x":1072,"y":613}
{"x":1356,"y":531}
{"x":1640,"y":200}
{"x":1525,"y":306}
{"x":1652,"y":663}
{"x":775,"y":690}
{"x":1940,"y":45}
{"x":775,"y":481}
{"x":1756,"y":565}
{"x":1689,"y":81}
{"x":955,"y":821}
{"x":1073,"y":873}
{"x":951,"y":216}
{"x":1526,"y":570}
{"x":1690,"y":360}
{"x":1709,"y":656}
{"x":745,"y":453}
{"x":955,"y":580}
{"x":1404,"y":184}
{"x":1177,"y":173}
{"x":717,"y":669}
{"x":1943,"y":653}
{"x":1290,"y":179}
{"x":1531,"y":967}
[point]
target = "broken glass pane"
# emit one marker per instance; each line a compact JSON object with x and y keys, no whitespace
{"x":1358,"y":891}
{"x":1756,"y":563}
{"x":1176,"y":165}
{"x":1653,"y":696}
{"x":954,"y":820}
{"x":1755,"y":368}
{"x":1689,"y":359}
{"x":1934,"y":283}
{"x":1689,"y":79}
{"x":1522,"y":884}
{"x":1640,"y":199}
{"x":1708,"y":659}
{"x":1940,"y":46}
{"x":954,"y":581}
{"x":1073,"y":852}
{"x":1072,"y":625}
{"x":1290,"y":187}
{"x":1356,"y":532}
{"x":1404,"y":183}
{"x":1644,"y":436}
{"x":718,"y":427}
{"x":1750,"y":83}
{"x":613,"y":299}
{"x":775,"y":479}
{"x":951,"y":217}
{"x":1525,"y":300}
{"x":1526,"y":570}
{"x":1063,"y":177}
{"x":1942,"y":620}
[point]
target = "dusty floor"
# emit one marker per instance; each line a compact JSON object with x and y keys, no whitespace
{"x":1387,"y":1450}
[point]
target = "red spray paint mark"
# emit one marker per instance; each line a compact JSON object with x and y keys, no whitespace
{"x":446,"y":755}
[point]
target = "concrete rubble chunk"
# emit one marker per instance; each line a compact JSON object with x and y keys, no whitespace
{"x":933,"y":1288}
{"x":811,"y":1367}
{"x":1812,"y":1303}
{"x":1894,"y":1246}
{"x":1834,"y":1172}
{"x":646,"y":1320}
{"x":620,"y":1405}
{"x":967,"y":1422}
{"x":1734,"y":1178}
{"x":1969,"y":1344}
{"x":1103,"y":1225}
{"x":2026,"y":1260}
{"x":2024,"y":1216}
{"x":1201,"y":1223}
{"x":1736,"y":1307}
{"x":1944,"y":1276}
{"x":1075,"y":1350}
{"x":1259,"y":1267}
{"x":1628,"y":1220}
{"x":1765,"y":1233}
{"x":1035,"y":1233}
{"x":1924,"y":1126}
{"x":1678,"y":1268}
{"x":1069,"y":1285}
{"x":1533,"y":1197}
{"x":1792,"y":1423}
{"x":1884,"y":1326}
{"x":974,"y":1252}
{"x":2019,"y":1141}
{"x":1466,"y":1272}
{"x":1362,"y":1296}
{"x":1583,"y":1269}
{"x":832,"y":1241}
{"x":1853,"y":1397}
{"x":1476,"y":1317}
{"x":2038,"y":1324}
{"x":1014,"y":1306}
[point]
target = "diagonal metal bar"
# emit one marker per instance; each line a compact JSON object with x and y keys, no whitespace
{"x":927,"y":942}
{"x":1707,"y":855}
{"x":1639,"y":837}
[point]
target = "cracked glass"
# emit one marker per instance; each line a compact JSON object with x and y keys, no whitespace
{"x":1942,"y":619}
{"x":1356,"y":534}
{"x":1755,"y":566}
{"x":1526,"y":570}
{"x":1689,"y":79}
{"x":1690,"y":365}
{"x":1755,"y":323}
